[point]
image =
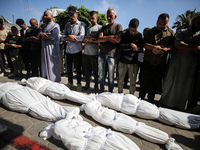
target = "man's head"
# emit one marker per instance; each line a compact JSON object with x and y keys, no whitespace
{"x":73,"y":14}
{"x":20,"y":22}
{"x":133,"y":26}
{"x":111,"y":15}
{"x":196,"y":21}
{"x":48,"y":16}
{"x":14,"y":30}
{"x":1,"y":23}
{"x":93,"y":17}
{"x":34,"y":24}
{"x":162,"y":21}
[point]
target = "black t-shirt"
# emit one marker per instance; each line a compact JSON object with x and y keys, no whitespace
{"x":35,"y":46}
{"x":108,"y":48}
{"x":26,"y":34}
{"x":130,"y":56}
{"x":13,"y":40}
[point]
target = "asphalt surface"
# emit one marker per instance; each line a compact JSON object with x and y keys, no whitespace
{"x":15,"y":126}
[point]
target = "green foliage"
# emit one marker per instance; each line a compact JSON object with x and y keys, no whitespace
{"x":84,"y":16}
{"x":184,"y":20}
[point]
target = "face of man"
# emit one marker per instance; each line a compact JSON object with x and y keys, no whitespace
{"x":14,"y":31}
{"x":47,"y":16}
{"x":73,"y":17}
{"x":162,"y":24}
{"x":93,"y":19}
{"x":111,"y":16}
{"x":23,"y":26}
{"x":34,"y":24}
{"x":132,"y":30}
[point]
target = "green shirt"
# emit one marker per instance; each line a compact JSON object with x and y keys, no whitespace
{"x":156,"y":37}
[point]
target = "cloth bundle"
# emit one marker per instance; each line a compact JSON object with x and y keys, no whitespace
{"x":128,"y":104}
{"x":56,"y":90}
{"x":26,"y":100}
{"x":78,"y":134}
{"x":126,"y":124}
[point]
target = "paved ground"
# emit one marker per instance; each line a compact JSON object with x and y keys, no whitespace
{"x":29,"y":127}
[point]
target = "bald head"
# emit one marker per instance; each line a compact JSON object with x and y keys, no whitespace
{"x":34,"y":23}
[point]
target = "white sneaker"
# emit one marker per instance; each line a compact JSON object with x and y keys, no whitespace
{"x":69,"y":85}
{"x":79,"y":88}
{"x":1,"y":74}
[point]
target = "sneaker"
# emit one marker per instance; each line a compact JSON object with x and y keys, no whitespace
{"x":69,"y":85}
{"x":1,"y":74}
{"x":79,"y":88}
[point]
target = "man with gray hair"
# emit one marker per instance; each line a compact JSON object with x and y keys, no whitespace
{"x":109,"y":38}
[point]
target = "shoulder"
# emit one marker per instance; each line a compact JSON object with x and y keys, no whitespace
{"x":80,"y":23}
{"x":170,"y":31}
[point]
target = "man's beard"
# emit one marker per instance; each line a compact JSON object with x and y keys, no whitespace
{"x":48,"y":20}
{"x":72,"y":20}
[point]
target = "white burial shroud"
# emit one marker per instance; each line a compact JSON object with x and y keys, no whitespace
{"x":56,"y":90}
{"x":24,"y":99}
{"x":80,"y":135}
{"x":126,"y":124}
{"x":128,"y":104}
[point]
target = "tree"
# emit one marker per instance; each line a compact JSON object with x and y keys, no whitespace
{"x":184,"y":20}
{"x":83,"y":16}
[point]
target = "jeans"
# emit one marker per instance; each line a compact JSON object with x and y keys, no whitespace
{"x":102,"y":60}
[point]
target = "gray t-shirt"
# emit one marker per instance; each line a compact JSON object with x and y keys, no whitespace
{"x":92,"y":48}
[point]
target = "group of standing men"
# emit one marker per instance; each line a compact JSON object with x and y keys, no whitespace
{"x":103,"y":43}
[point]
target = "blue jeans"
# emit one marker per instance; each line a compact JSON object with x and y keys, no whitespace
{"x":110,"y":62}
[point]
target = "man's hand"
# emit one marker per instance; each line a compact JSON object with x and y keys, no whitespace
{"x":158,"y":49}
{"x":115,"y":39}
{"x":44,"y":35}
{"x":134,"y":47}
{"x":70,"y":38}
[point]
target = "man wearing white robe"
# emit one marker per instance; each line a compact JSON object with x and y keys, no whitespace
{"x":50,"y":61}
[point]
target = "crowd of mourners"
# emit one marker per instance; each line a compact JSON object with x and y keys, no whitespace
{"x":165,"y":62}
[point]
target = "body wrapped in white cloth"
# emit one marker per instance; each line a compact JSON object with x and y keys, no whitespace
{"x":56,"y":90}
{"x":24,"y":99}
{"x":128,"y":104}
{"x":80,"y":135}
{"x":126,"y":124}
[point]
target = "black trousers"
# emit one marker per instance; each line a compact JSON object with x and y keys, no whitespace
{"x":10,"y":65}
{"x":35,"y":60}
{"x":91,"y":65}
{"x":150,"y":79}
{"x":75,"y":59}
{"x":2,"y":61}
{"x":25,"y":53}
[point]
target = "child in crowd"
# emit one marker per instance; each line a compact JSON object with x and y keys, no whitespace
{"x":13,"y":42}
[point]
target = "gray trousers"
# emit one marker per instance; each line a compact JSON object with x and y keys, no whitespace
{"x":132,"y":73}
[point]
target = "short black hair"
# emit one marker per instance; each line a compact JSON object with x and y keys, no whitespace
{"x":134,"y":23}
{"x":1,"y":21}
{"x":93,"y":13}
{"x":163,"y":16}
{"x":19,"y":22}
